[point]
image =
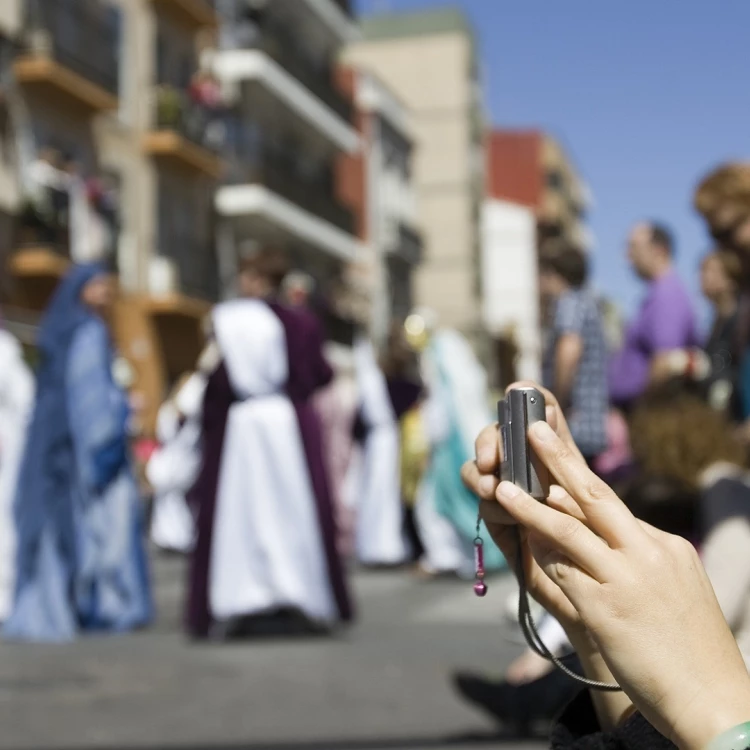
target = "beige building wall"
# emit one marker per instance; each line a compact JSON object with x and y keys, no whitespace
{"x":119,"y":139}
{"x":431,"y":74}
{"x":10,"y":17}
{"x":565,"y":203}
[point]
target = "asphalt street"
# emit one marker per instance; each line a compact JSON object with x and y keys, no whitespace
{"x":382,"y":685}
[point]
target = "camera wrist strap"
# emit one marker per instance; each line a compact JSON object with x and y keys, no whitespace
{"x":531,"y":633}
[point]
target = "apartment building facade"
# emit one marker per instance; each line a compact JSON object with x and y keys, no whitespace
{"x":288,"y":124}
{"x":98,"y":100}
{"x":377,"y":184}
{"x":536,"y":202}
{"x":532,"y":169}
{"x":201,"y":129}
{"x":429,"y":60}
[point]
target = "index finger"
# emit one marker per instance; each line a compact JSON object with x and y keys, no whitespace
{"x":605,"y":513}
{"x":487,"y":448}
{"x":554,"y":413}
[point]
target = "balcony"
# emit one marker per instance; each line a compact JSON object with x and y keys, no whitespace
{"x":274,"y":42}
{"x":278,"y":172}
{"x":178,"y":321}
{"x":195,"y":274}
{"x":284,"y":51}
{"x":194,"y":14}
{"x":42,"y":254}
{"x":270,"y":199}
{"x":345,"y":6}
{"x":71,"y":53}
{"x":330,"y":22}
{"x":35,"y":271}
{"x":182,"y":133}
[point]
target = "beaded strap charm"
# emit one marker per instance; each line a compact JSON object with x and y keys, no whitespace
{"x":480,"y":587}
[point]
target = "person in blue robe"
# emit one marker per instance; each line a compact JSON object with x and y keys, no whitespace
{"x":81,"y":559}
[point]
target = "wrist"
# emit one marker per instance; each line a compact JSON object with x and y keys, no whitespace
{"x":737,"y":738}
{"x":707,"y":722}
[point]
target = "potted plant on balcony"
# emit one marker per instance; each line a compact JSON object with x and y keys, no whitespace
{"x":169,"y":107}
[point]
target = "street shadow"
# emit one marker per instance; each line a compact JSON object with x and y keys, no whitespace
{"x":490,"y":739}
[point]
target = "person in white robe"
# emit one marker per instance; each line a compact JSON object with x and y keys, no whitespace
{"x":174,"y":466}
{"x":266,"y":553}
{"x":380,"y":538}
{"x":16,"y":403}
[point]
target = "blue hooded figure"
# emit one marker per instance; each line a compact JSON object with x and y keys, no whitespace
{"x":81,"y":560}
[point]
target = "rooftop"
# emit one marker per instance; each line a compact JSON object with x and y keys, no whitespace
{"x":443,"y":20}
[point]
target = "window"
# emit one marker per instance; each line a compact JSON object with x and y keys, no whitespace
{"x":555,"y":179}
{"x":186,"y":234}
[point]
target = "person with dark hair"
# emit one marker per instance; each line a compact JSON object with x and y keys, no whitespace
{"x":723,"y":200}
{"x":575,"y":370}
{"x":713,"y":366}
{"x":575,"y":359}
{"x":678,"y":438}
{"x":265,"y":556}
{"x":387,"y":391}
{"x":665,"y":321}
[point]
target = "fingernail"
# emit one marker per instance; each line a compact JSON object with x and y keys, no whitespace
{"x":557,"y":493}
{"x":507,"y":491}
{"x":542,"y":432}
{"x":487,"y":486}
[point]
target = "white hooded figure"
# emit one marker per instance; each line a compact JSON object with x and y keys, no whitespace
{"x":16,"y":404}
{"x":379,"y":534}
{"x":174,"y":466}
{"x":267,"y":550}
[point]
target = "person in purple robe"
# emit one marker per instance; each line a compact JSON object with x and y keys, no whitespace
{"x":665,"y":321}
{"x":265,"y":556}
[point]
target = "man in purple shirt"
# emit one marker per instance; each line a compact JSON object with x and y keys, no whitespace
{"x":665,"y":321}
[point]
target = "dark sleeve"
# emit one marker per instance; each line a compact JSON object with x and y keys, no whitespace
{"x":323,"y":371}
{"x":404,"y":395}
{"x":578,"y":729}
{"x":724,"y":499}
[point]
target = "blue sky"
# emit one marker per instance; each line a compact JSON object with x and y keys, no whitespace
{"x":647,"y":95}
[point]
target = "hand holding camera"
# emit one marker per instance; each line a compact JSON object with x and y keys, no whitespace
{"x":637,"y":594}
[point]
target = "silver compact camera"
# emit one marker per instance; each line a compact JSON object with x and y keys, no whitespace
{"x":520,"y":465}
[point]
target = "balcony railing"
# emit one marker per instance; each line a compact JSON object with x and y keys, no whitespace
{"x":196,"y":265}
{"x":284,"y":49}
{"x":83,"y":36}
{"x":345,"y":5}
{"x":410,"y":244}
{"x":277,"y":170}
{"x":44,"y":223}
{"x":175,"y":110}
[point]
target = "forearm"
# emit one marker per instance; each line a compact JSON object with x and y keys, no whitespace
{"x":612,"y":708}
{"x":567,"y":358}
{"x":564,"y":377}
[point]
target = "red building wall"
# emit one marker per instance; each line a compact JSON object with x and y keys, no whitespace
{"x":514,"y":169}
{"x":350,"y":169}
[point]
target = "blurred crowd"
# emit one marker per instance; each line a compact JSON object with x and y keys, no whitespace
{"x":280,"y":458}
{"x":663,"y":420}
